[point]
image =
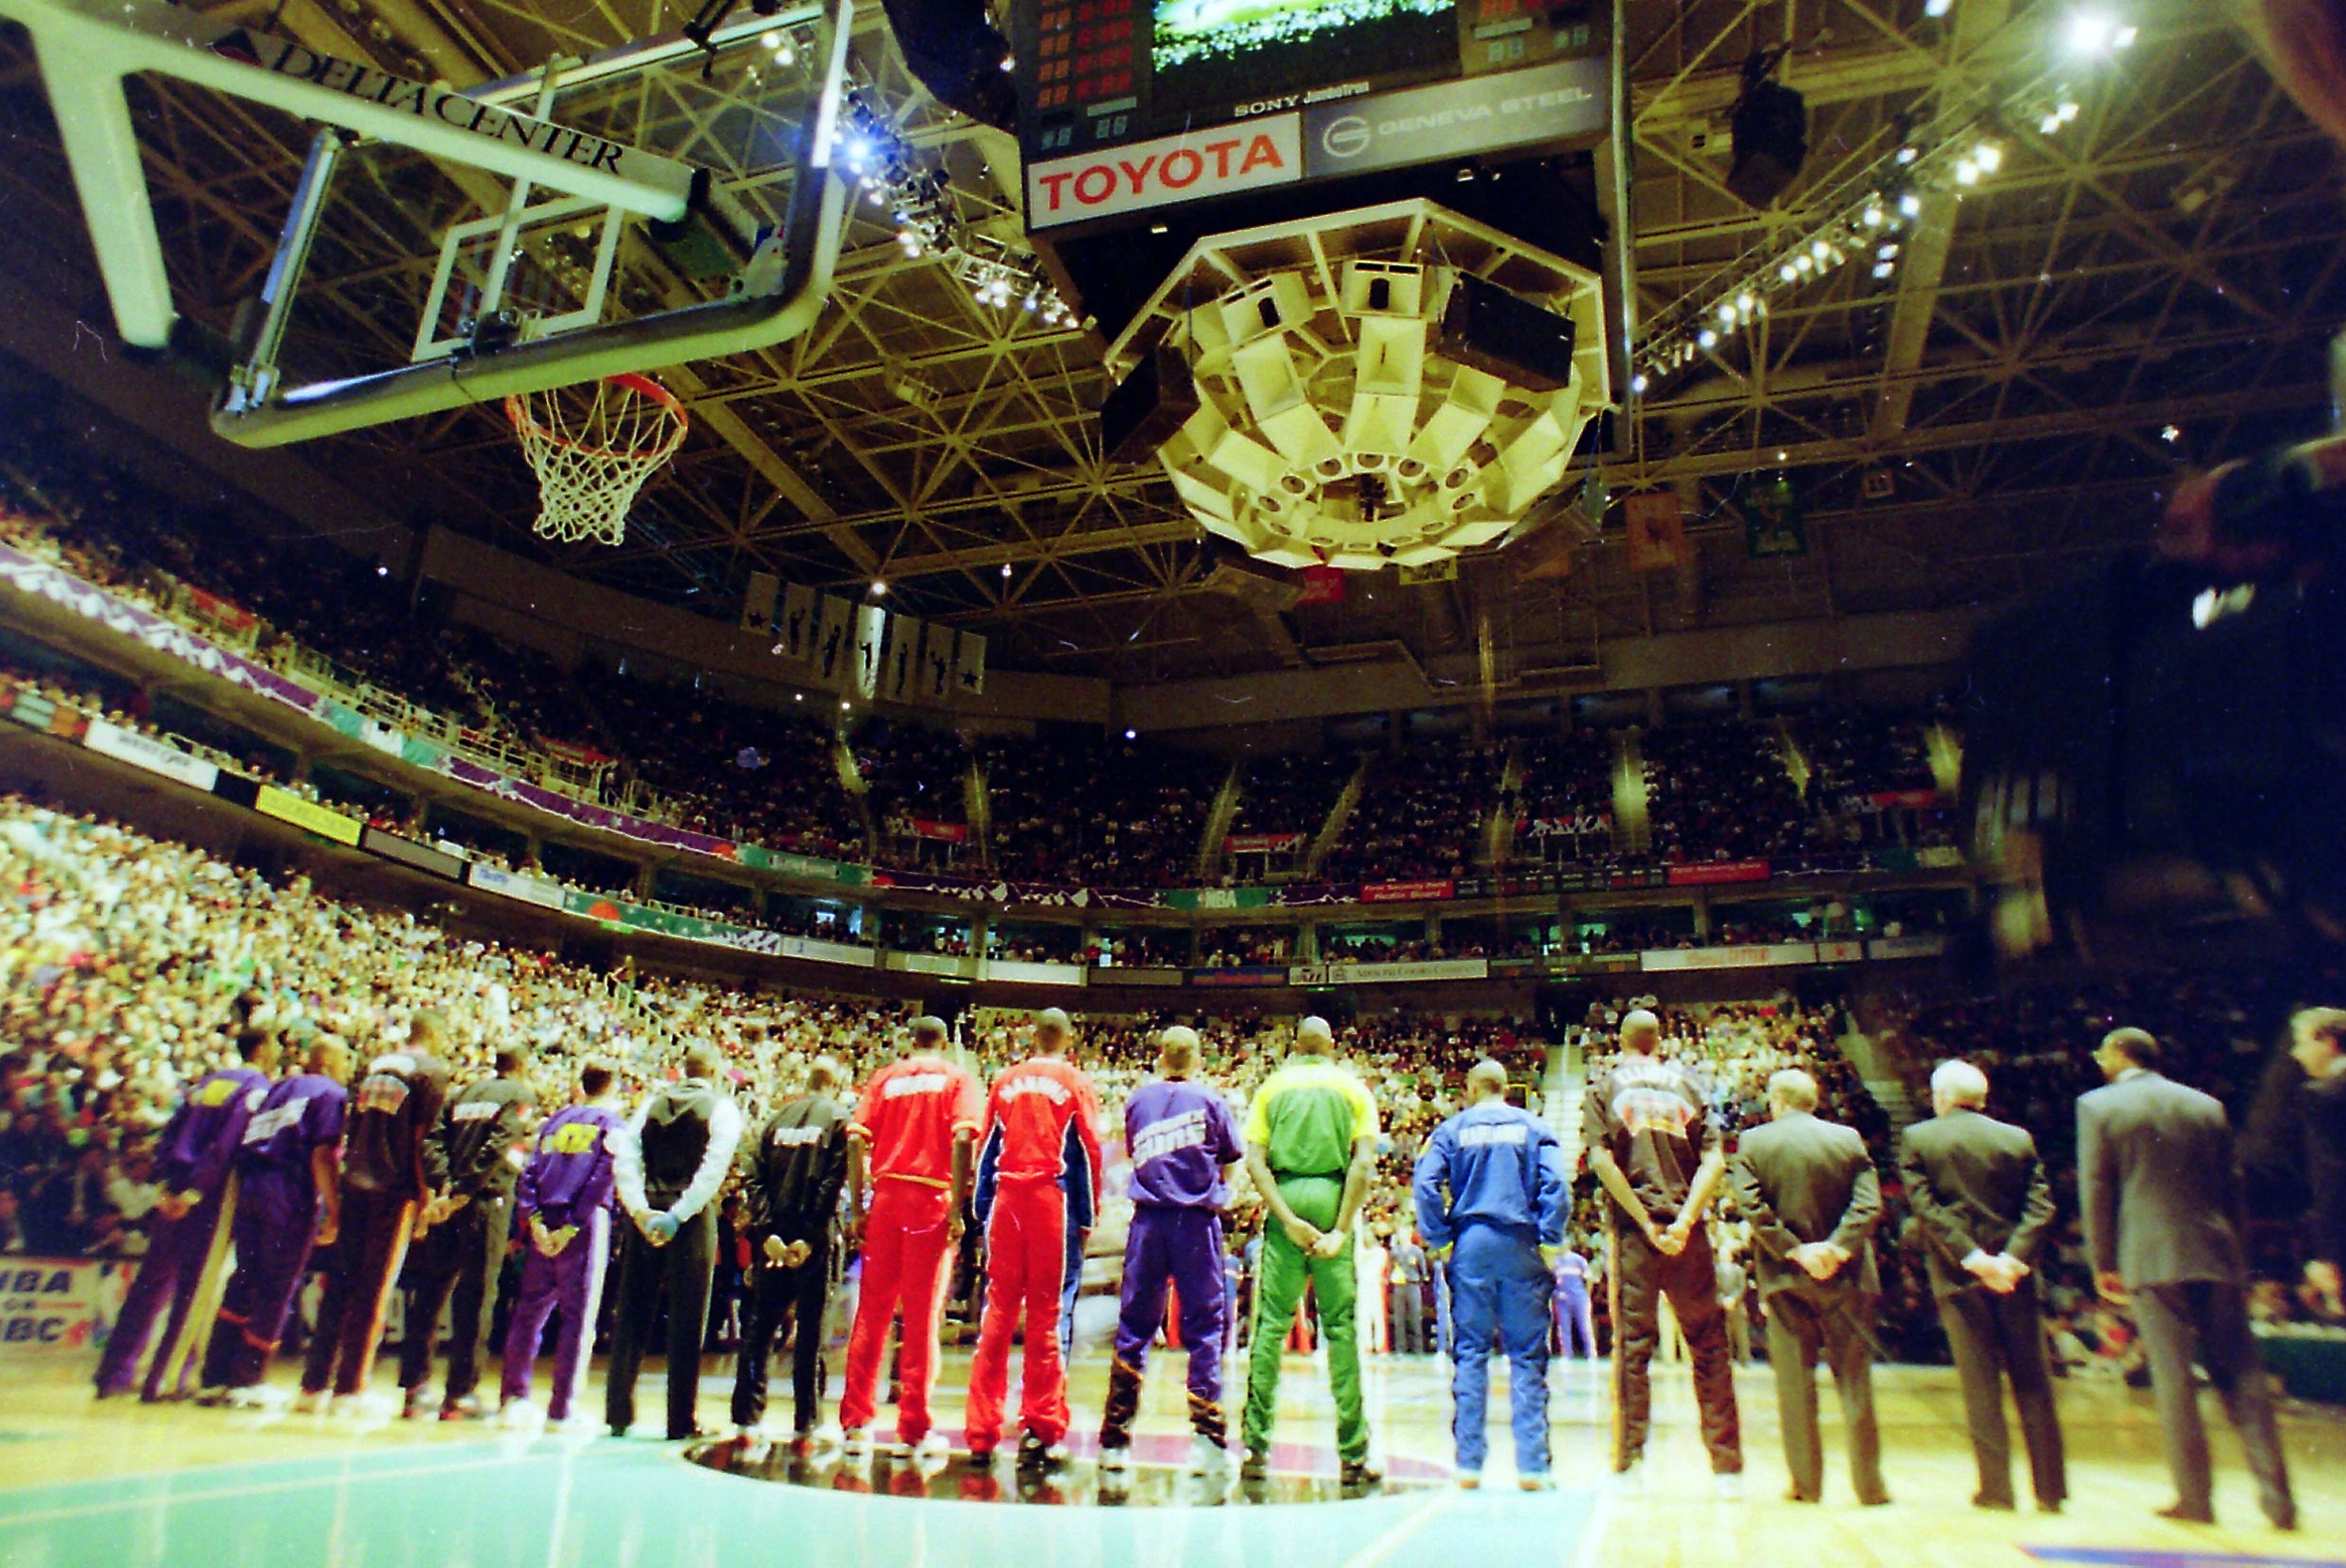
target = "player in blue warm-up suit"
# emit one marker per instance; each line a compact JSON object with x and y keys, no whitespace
{"x":1492,"y":1195}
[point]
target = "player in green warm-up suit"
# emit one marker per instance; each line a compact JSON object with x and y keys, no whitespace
{"x":1311,"y":1143}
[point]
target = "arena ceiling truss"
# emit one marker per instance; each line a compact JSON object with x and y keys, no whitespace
{"x":2150,"y":285}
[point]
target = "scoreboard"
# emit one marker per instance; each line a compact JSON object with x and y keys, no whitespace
{"x":1095,"y":75}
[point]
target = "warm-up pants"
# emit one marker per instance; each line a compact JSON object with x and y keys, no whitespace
{"x":1180,"y":1248}
{"x":683,"y":1268}
{"x":570,"y":1281}
{"x":906,"y":1250}
{"x":275,"y":1226}
{"x":1838,"y":1325}
{"x":1641,"y":1276}
{"x":778,"y":1301}
{"x":1576,"y":1322}
{"x":360,"y":1269}
{"x":1316,"y":1200}
{"x":1499,"y":1290}
{"x":463,"y":1256}
{"x":184,"y":1259}
{"x":1025,"y":1277}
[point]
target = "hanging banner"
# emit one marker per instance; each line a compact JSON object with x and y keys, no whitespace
{"x":797,"y":622}
{"x":1323,"y":584}
{"x":834,"y":656}
{"x":900,"y":674}
{"x":1772,"y":525}
{"x":968,"y":664}
{"x":936,"y":680}
{"x":1657,"y":531}
{"x":758,"y":603}
{"x":870,"y":644}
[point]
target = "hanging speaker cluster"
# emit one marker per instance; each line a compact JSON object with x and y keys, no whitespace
{"x":1392,"y":384}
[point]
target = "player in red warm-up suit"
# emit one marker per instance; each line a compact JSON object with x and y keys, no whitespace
{"x":909,"y":1147}
{"x":1038,"y":1184}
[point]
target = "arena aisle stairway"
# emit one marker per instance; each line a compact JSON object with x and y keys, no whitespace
{"x":1218,"y":826}
{"x":1339,"y":816}
{"x":1633,"y":830}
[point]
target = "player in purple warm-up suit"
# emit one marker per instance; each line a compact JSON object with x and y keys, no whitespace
{"x":194,"y":1167}
{"x":1181,"y":1141}
{"x":563,"y":1203}
{"x":288,"y":1198}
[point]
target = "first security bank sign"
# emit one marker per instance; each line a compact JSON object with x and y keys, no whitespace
{"x":1327,"y":141}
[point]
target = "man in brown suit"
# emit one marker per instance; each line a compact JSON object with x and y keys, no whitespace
{"x":2159,"y":1184}
{"x":1809,"y":1190}
{"x":1983,"y":1208}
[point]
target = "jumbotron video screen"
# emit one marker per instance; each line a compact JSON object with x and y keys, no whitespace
{"x":1099,"y":73}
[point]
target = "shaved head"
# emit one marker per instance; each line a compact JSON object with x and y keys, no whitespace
{"x":1641,"y":1031}
{"x":1053,"y":1028}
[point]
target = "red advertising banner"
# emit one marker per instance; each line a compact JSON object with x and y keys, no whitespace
{"x":220,"y":611}
{"x":1407,"y":893}
{"x":1261,"y":844}
{"x":950,"y":832}
{"x":1708,"y":874}
{"x":1323,"y":584}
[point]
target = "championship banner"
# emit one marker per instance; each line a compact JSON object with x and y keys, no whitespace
{"x":1261,"y":844}
{"x":833,"y":653}
{"x":797,"y":622}
{"x":145,"y":751}
{"x":870,"y":646}
{"x":1712,"y":873}
{"x":758,"y":603}
{"x":1763,"y":956}
{"x":900,"y":666}
{"x":1657,"y":532}
{"x":286,"y":806}
{"x":1772,"y":525}
{"x":59,"y":1304}
{"x":1407,"y":893}
{"x":968,"y":664}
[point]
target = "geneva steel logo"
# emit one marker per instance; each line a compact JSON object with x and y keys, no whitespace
{"x":1197,"y":163}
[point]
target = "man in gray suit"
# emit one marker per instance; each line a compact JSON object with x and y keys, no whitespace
{"x":1809,"y":1190}
{"x":2159,"y":1184}
{"x":1983,"y":1208}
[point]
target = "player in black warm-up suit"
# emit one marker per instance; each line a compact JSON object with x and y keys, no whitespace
{"x":669,"y":1168}
{"x":797,"y":1170}
{"x":1983,"y":1208}
{"x":472,"y":1157}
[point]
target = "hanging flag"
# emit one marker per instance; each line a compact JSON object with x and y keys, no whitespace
{"x":798,"y":623}
{"x":758,"y":603}
{"x":968,"y":664}
{"x":1772,"y":525}
{"x":1657,"y":533}
{"x":1323,"y":584}
{"x":1444,"y":570}
{"x":936,"y":682}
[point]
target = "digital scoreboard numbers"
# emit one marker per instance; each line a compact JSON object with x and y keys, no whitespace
{"x":1508,"y":34}
{"x":1085,"y":66}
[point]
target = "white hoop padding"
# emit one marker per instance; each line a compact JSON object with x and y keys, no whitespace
{"x":592,"y":457}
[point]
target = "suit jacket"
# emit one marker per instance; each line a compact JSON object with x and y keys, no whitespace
{"x":1798,"y":1179}
{"x":1974,"y":1182}
{"x":2160,"y":1183}
{"x":2326,"y":1168}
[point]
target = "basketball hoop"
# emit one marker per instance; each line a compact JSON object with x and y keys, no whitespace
{"x":591,"y":456}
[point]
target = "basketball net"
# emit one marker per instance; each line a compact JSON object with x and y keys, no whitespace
{"x":592,"y":454}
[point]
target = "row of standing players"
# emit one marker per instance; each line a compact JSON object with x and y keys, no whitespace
{"x":275,"y":1167}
